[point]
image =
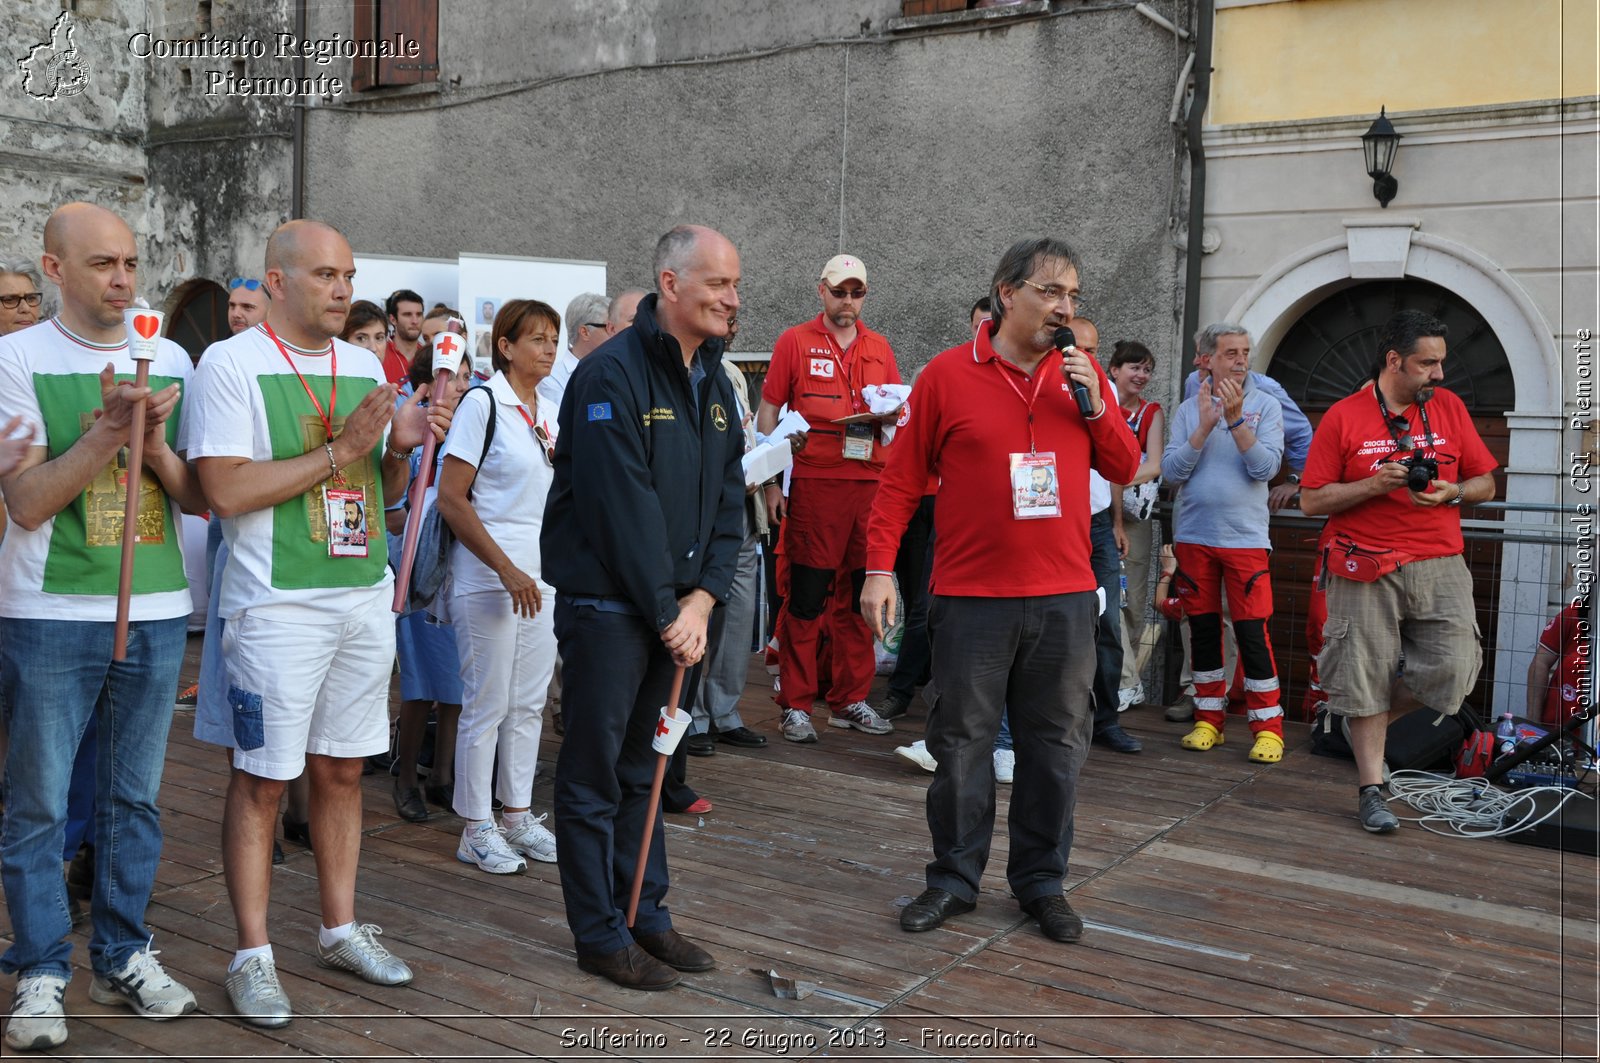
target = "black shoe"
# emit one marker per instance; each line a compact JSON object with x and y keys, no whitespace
{"x":408,"y":803}
{"x":444,"y":795}
{"x":630,"y":968}
{"x":1118,"y":739}
{"x":743,"y":737}
{"x":893,"y":705}
{"x":1056,"y":918}
{"x":675,"y":950}
{"x":702,"y":745}
{"x":80,"y":873}
{"x":296,"y":832}
{"x":931,"y":909}
{"x":277,"y":852}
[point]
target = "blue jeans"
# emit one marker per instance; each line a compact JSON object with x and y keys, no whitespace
{"x":55,"y":675}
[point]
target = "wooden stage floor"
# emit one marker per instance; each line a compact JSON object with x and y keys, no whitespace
{"x":1235,"y":912}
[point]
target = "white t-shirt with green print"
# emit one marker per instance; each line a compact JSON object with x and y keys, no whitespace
{"x":248,"y":403}
{"x":68,"y":567}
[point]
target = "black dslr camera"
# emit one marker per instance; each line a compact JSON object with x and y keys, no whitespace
{"x":1421,"y":471}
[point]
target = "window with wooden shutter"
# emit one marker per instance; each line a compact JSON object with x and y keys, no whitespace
{"x":397,"y":21}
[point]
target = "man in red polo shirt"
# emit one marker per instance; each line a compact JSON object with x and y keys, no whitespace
{"x":1015,"y":600}
{"x":404,"y":308}
{"x":1397,"y":582}
{"x":819,"y":369}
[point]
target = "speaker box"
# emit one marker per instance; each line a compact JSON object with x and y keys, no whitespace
{"x":1572,"y":830}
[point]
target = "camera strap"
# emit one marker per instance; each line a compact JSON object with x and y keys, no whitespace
{"x":1389,"y":420}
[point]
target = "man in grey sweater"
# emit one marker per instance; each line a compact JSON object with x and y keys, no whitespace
{"x":1226,"y":443}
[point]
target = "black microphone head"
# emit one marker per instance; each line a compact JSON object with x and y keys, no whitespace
{"x":1063,"y":338}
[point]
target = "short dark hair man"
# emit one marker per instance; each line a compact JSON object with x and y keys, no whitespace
{"x":1005,"y":636}
{"x":1397,"y":583}
{"x":404,"y":310}
{"x":640,"y":537}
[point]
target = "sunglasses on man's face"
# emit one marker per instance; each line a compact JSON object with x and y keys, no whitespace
{"x":249,"y":284}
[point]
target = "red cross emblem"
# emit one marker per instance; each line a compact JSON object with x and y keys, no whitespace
{"x":662,"y":728}
{"x":447,"y":342}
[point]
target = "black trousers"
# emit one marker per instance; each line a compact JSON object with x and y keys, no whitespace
{"x":1035,"y":658}
{"x":1107,"y":566}
{"x":616,"y":675}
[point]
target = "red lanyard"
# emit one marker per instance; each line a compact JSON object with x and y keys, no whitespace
{"x":333,"y":393}
{"x":1038,"y":382}
{"x":844,"y":370}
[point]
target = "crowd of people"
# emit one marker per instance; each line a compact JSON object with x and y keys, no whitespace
{"x":604,"y":550}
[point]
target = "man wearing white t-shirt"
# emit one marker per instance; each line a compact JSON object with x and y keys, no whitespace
{"x":288,"y":429}
{"x":59,"y":566}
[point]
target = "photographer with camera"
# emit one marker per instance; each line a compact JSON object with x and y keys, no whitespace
{"x":1390,"y":466}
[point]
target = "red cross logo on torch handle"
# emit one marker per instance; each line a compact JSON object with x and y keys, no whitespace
{"x":661,"y":727}
{"x":447,"y":342}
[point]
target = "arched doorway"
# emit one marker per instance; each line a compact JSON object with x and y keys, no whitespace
{"x":198,"y":315}
{"x":1325,"y":355}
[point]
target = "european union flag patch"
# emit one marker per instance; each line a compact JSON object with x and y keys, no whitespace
{"x":600,"y":411}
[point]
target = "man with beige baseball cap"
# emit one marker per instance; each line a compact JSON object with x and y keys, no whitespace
{"x":819,"y":369}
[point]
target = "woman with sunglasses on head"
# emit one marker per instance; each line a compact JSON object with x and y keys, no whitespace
{"x":20,"y":297}
{"x":492,"y":491}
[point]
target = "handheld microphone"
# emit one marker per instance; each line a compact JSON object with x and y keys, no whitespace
{"x":1064,"y":339}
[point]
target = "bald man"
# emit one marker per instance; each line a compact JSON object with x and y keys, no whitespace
{"x":640,"y":539}
{"x":290,"y":426}
{"x":59,"y":566}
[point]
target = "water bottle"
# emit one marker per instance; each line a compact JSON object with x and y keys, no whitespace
{"x":1122,"y":577}
{"x":1505,"y":736}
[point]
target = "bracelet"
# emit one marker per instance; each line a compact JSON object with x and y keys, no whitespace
{"x":1237,"y":423}
{"x":398,"y":455}
{"x":333,"y":466}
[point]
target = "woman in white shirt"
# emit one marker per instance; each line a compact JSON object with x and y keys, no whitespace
{"x":493,"y":499}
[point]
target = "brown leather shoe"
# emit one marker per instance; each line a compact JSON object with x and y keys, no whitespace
{"x":630,"y":968}
{"x":675,"y":950}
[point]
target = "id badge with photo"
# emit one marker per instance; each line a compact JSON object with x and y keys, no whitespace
{"x":1035,"y":488}
{"x":858,"y":441}
{"x":346,"y":509}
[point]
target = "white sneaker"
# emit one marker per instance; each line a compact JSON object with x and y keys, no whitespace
{"x":532,"y":839}
{"x":917,"y":753}
{"x":1128,"y":697}
{"x":39,"y":1014}
{"x":797,"y":726}
{"x":143,"y":985}
{"x":1005,"y":765}
{"x":486,"y":846}
{"x":859,"y":714}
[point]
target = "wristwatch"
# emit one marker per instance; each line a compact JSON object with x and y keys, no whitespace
{"x":1456,"y":501}
{"x":1292,"y":478}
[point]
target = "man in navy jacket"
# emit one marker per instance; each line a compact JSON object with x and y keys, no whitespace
{"x":641,"y":534}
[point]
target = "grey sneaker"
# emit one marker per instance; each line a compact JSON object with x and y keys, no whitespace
{"x":1375,"y":815}
{"x":532,"y":839}
{"x":39,"y":1014}
{"x":859,"y":714}
{"x":256,"y":996}
{"x":362,"y":953}
{"x":797,"y":726}
{"x":143,"y":985}
{"x":1005,"y":765}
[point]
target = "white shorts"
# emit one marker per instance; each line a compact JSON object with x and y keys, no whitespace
{"x":296,"y":688}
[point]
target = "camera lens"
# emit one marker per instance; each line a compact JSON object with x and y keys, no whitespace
{"x":1418,"y":479}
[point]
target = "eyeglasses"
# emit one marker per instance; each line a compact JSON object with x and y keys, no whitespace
{"x":249,"y":284}
{"x":31,"y":298}
{"x":848,"y":293}
{"x":593,"y":324}
{"x":1053,"y":293}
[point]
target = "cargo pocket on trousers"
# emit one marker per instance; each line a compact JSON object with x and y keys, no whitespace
{"x":249,"y":731}
{"x":1335,"y":644}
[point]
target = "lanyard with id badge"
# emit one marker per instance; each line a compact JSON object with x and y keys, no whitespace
{"x":343,"y":505}
{"x":1035,"y":485}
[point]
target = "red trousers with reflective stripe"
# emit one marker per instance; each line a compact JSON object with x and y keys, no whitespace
{"x":825,"y":530}
{"x":1203,"y":573}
